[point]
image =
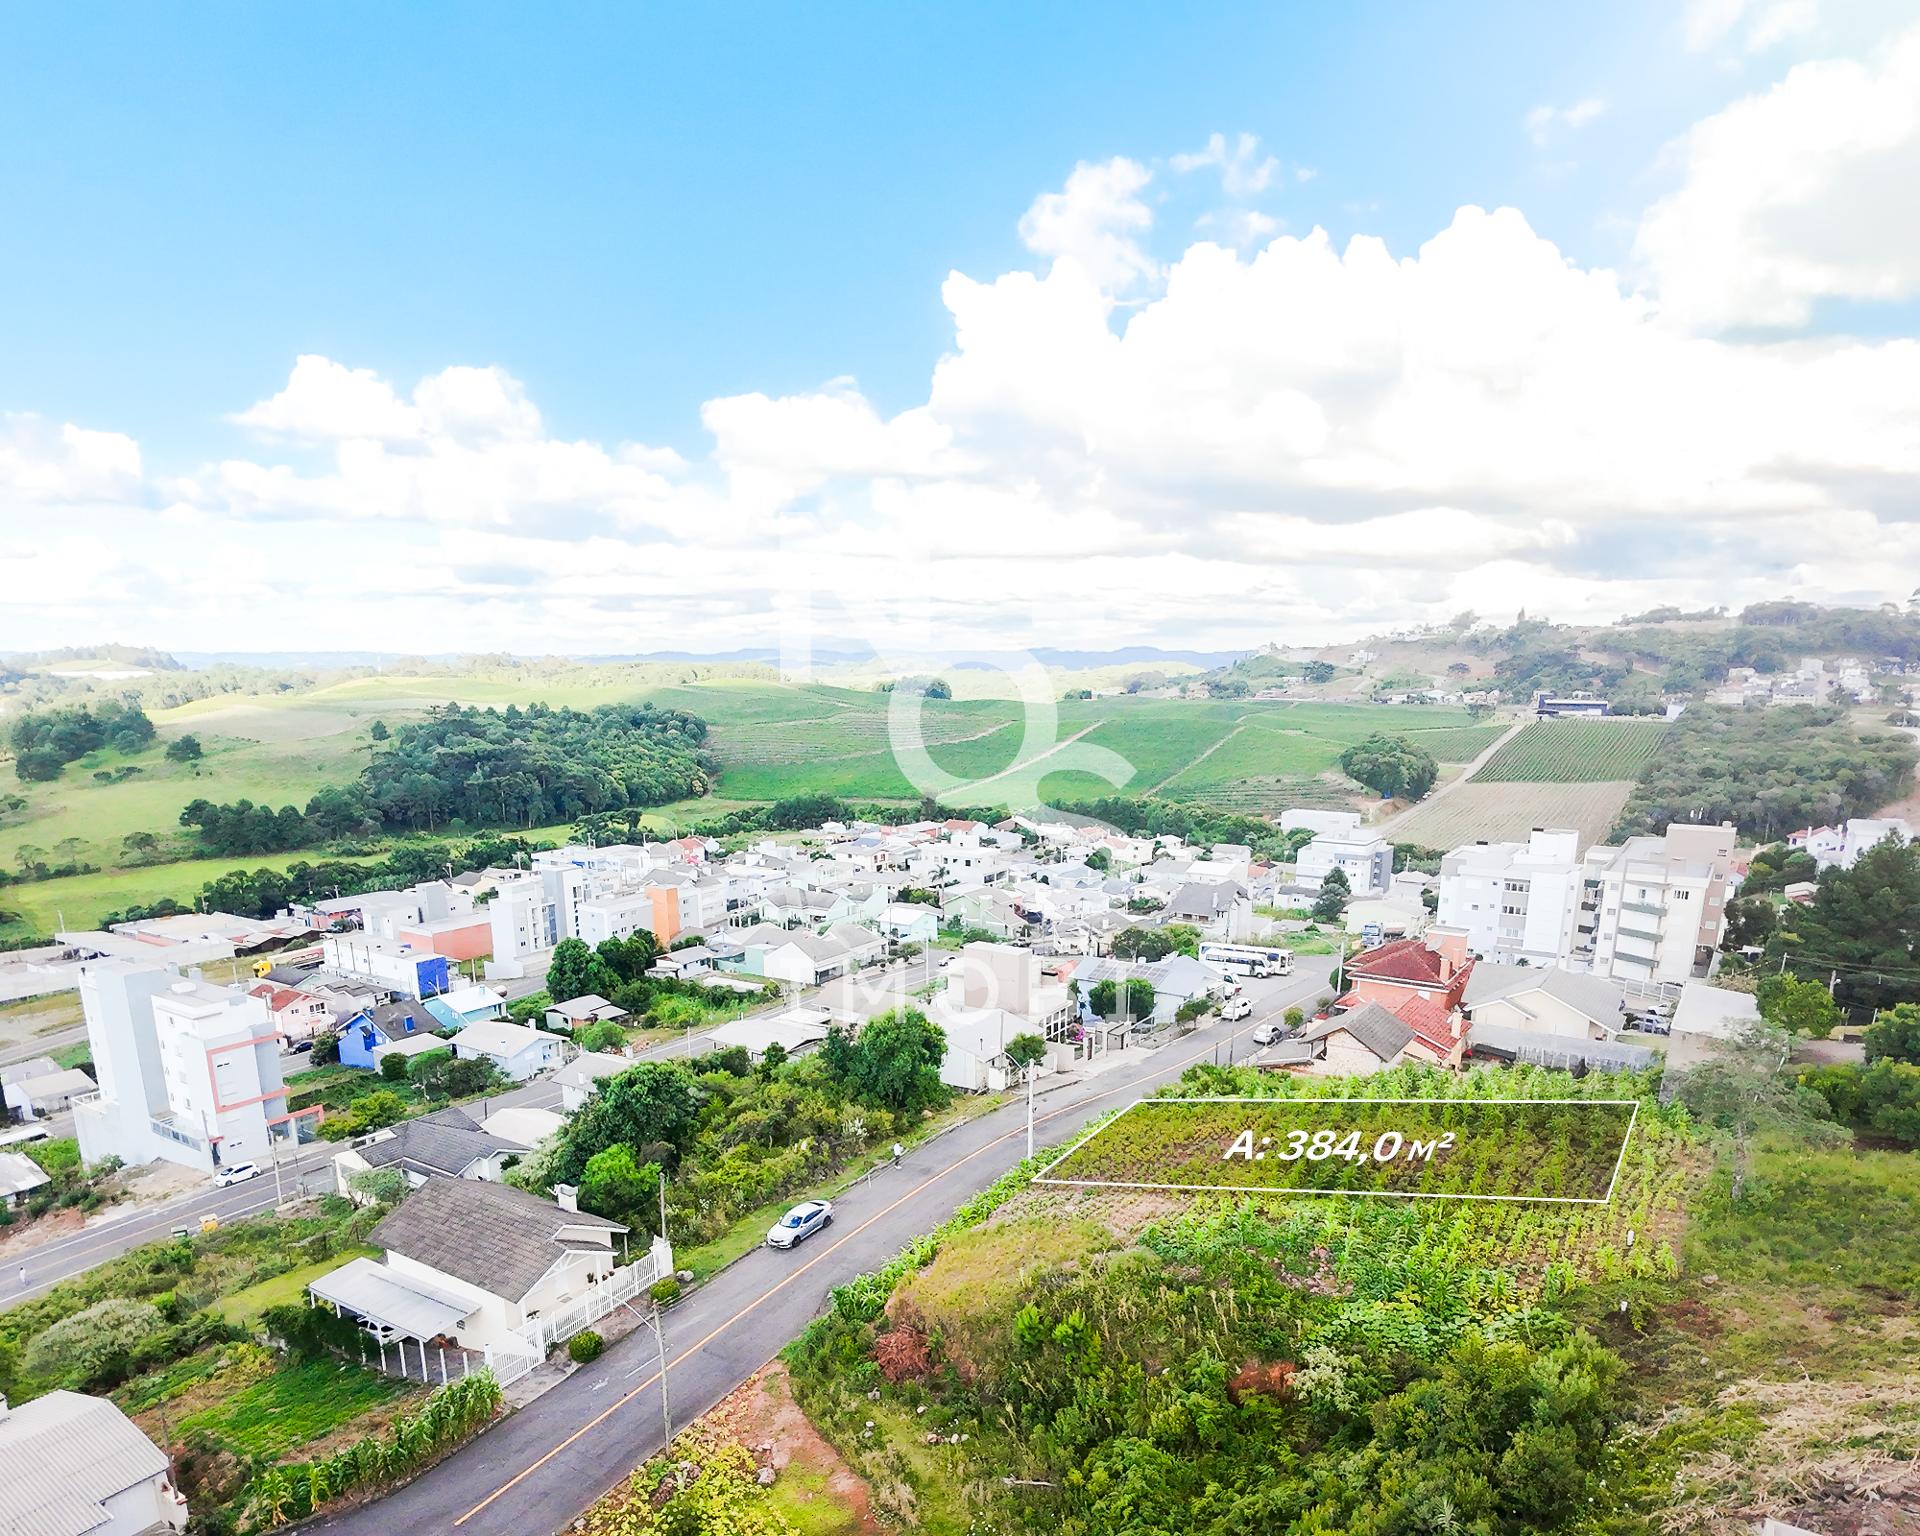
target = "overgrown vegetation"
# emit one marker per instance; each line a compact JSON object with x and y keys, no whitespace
{"x":1768,"y":771}
{"x":1335,"y":1364}
{"x":732,"y":1137}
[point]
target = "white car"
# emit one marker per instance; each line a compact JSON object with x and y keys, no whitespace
{"x":1232,"y":989}
{"x":236,"y":1173}
{"x":1236,"y":1009}
{"x":1268,"y":1034}
{"x":800,"y":1223}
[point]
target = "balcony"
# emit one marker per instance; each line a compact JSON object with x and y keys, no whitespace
{"x":1645,"y":908}
{"x":1640,"y":934}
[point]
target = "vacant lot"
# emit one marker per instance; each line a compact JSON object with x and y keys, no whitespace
{"x":1574,"y":752}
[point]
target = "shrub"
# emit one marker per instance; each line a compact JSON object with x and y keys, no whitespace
{"x":664,"y":1292}
{"x":585,"y":1345}
{"x":91,"y":1345}
{"x":393,"y":1067}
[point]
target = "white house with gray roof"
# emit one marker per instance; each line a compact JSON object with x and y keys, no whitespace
{"x":72,"y":1465}
{"x":474,"y":1262}
{"x":1545,"y":1000}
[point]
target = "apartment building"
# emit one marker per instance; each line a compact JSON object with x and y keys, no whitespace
{"x":1652,"y":909}
{"x":1365,"y":858}
{"x":1515,"y":901}
{"x":188,"y":1071}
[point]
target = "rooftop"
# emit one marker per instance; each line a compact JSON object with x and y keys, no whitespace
{"x":65,"y":1455}
{"x":490,"y":1235}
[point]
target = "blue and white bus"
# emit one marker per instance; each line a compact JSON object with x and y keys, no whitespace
{"x":1248,"y":959}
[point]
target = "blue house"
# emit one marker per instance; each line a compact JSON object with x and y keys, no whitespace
{"x":464,"y":1006}
{"x":371,"y":1028}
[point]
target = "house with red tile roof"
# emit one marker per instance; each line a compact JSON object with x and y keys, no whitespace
{"x":297,"y":1015}
{"x":1420,"y":981}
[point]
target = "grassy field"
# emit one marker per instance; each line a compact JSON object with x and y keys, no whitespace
{"x":1574,"y":752}
{"x":244,"y":1306}
{"x":297,"y":1404}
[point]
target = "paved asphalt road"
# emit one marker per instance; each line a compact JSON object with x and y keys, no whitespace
{"x":311,"y":1172}
{"x":536,"y":1470}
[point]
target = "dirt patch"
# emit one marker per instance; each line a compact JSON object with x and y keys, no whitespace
{"x":1834,"y":1456}
{"x":21,"y":1240}
{"x":761,"y":1414}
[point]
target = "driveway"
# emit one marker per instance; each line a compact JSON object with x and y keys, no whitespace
{"x":535,"y":1471}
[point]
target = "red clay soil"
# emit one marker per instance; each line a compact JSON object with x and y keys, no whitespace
{"x":761,"y":1414}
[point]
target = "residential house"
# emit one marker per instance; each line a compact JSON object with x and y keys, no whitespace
{"x":466,"y":1005}
{"x":368,"y":1034}
{"x":1176,"y":980}
{"x":527,"y":1124}
{"x":1706,"y":1019}
{"x":1364,"y":1040}
{"x":296,"y":1014}
{"x":1219,"y":909}
{"x":794,"y":1031}
{"x":694,"y":962}
{"x":1545,"y":1000}
{"x":448,"y":1142}
{"x":474,"y":1262}
{"x":40,"y":1086}
{"x":862,"y":946}
{"x":517,"y":1052}
{"x":73,"y":1465}
{"x":910,"y":922}
{"x":20,"y":1176}
{"x":976,"y":1059}
{"x":579,"y":1011}
{"x":1434,"y":968}
{"x":1839,"y":847}
{"x":578,"y":1079}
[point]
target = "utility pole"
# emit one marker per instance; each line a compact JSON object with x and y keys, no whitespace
{"x":660,"y":1340}
{"x":1032,"y":1068}
{"x":273,"y":1157}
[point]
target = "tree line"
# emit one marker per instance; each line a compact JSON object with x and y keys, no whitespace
{"x":481,"y":768}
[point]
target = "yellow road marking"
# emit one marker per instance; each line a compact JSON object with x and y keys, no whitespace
{"x":613,"y":1408}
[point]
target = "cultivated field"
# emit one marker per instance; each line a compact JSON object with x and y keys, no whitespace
{"x":1574,"y":752}
{"x":1507,"y":812}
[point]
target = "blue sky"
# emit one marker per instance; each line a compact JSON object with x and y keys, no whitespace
{"x":630,"y":217}
{"x":636,"y":210}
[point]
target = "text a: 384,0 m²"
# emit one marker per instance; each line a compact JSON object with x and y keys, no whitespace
{"x":1318,"y":1146}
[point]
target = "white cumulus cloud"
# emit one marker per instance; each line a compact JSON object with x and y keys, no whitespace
{"x":1796,"y":193}
{"x":1096,"y":223}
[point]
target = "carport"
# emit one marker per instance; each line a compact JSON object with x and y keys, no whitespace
{"x":376,"y":1294}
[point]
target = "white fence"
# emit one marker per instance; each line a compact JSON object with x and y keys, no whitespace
{"x":518,"y":1354}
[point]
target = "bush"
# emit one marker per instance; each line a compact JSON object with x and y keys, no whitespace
{"x":664,"y":1293}
{"x":393,"y":1067}
{"x":584,"y":1346}
{"x":91,"y":1345}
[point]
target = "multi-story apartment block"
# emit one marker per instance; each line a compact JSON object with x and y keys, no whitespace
{"x":188,"y":1071}
{"x":1515,"y":901}
{"x":1652,"y":909}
